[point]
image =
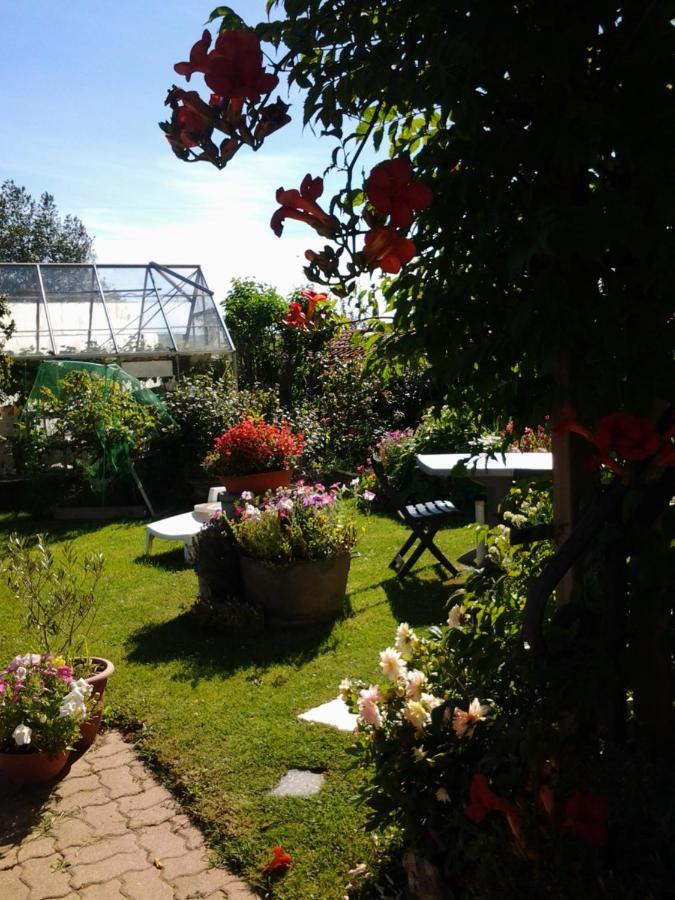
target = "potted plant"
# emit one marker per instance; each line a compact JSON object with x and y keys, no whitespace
{"x":222,"y":605}
{"x":58,"y":592}
{"x":295,"y":548}
{"x":42,"y":708}
{"x":254,"y":456}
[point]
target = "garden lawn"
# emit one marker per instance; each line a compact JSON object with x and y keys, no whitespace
{"x":220,"y":714}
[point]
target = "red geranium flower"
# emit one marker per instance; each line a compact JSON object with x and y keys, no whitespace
{"x":587,"y":814}
{"x":281,"y":862}
{"x":630,"y":437}
{"x":235,"y":70}
{"x":199,"y":57}
{"x":302,"y":205}
{"x":391,"y":190}
{"x":386,"y":249}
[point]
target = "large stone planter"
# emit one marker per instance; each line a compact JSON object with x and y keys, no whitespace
{"x":305,"y":592}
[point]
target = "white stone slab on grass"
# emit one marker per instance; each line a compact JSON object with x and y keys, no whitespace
{"x":298,"y":783}
{"x":335,"y":713}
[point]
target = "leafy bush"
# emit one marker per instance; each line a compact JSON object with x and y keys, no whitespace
{"x":253,"y":315}
{"x":96,"y":422}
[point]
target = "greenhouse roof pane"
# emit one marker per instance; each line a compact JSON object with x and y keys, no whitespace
{"x":66,"y":310}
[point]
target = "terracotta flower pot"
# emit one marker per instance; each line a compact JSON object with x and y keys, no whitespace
{"x":304,"y":592}
{"x":258,"y":483}
{"x":32,"y":768}
{"x":103,"y":669}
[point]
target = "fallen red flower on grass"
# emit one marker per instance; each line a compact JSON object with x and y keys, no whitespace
{"x":280,"y":863}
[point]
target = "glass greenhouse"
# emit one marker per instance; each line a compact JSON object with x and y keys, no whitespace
{"x":94,"y":311}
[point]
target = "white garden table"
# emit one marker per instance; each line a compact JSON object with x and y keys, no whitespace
{"x":494,"y":473}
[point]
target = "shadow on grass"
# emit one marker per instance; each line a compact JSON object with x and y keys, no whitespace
{"x":170,"y":560}
{"x":205,"y":655}
{"x":56,"y":530}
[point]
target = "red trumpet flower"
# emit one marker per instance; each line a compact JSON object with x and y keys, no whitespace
{"x":235,"y":68}
{"x":199,"y":58}
{"x":386,"y":249}
{"x":302,"y":205}
{"x":391,"y":190}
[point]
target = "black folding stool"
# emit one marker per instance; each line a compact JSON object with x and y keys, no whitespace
{"x":423,"y":519}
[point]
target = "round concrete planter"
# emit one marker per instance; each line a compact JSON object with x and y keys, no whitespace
{"x":305,"y":592}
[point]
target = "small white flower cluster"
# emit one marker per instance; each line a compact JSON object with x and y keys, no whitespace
{"x":75,"y":703}
{"x":22,"y":735}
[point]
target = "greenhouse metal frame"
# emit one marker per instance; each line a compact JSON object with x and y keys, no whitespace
{"x":107,"y":311}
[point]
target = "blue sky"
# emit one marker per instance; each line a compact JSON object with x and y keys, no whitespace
{"x":84,"y":84}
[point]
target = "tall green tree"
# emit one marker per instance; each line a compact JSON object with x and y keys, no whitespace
{"x":33,"y":230}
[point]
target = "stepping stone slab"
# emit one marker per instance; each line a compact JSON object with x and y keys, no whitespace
{"x":298,"y":783}
{"x":335,"y":713}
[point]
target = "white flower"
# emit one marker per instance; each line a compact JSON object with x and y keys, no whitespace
{"x":455,"y":617}
{"x":246,"y":495}
{"x":464,"y":723}
{"x":22,"y":735}
{"x":73,"y":705}
{"x":416,"y":713}
{"x":414,"y":682}
{"x":392,"y":664}
{"x":368,"y":708}
{"x":345,"y":688}
{"x":368,"y":496}
{"x":430,"y":701}
{"x":251,"y":512}
{"x":405,"y":638}
{"x":354,"y":482}
{"x":285,"y":504}
{"x":21,"y":673}
{"x":82,"y":687}
{"x":442,"y":795}
{"x":419,"y":753}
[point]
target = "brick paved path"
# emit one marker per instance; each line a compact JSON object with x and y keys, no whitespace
{"x":107,"y":830}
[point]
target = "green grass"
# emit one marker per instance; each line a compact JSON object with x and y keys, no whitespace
{"x":220,"y":713}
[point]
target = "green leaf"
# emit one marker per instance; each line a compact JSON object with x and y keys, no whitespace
{"x":231,"y":21}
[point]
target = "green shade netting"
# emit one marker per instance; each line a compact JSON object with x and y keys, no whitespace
{"x":112,"y":417}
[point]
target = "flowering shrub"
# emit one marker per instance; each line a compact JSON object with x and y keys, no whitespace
{"x":254,"y":446}
{"x":532,"y":440}
{"x":302,"y":522}
{"x":42,"y":705}
{"x":477,"y":763}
